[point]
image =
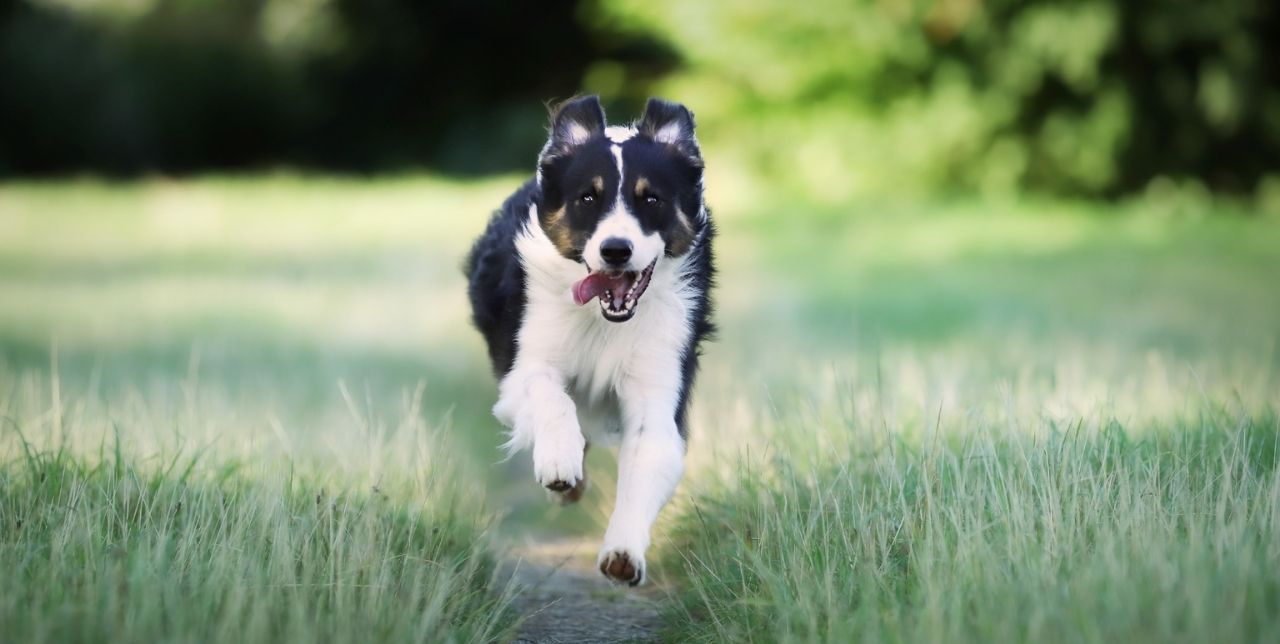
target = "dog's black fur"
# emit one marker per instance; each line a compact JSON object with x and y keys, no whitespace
{"x":497,"y":280}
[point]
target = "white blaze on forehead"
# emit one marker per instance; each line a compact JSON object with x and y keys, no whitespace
{"x":617,"y":158}
{"x":621,"y":222}
{"x":619,"y":133}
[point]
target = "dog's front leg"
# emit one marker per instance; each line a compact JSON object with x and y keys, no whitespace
{"x":533,"y":403}
{"x":650,"y":465}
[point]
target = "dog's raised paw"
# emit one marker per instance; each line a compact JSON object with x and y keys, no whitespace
{"x":622,"y":567}
{"x":569,"y":495}
{"x":557,"y":462}
{"x":559,"y":486}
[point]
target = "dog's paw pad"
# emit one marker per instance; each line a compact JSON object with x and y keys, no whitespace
{"x":559,"y":486}
{"x":557,"y":462}
{"x":620,"y":566}
{"x":571,"y":494}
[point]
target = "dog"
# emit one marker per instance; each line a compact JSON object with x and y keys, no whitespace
{"x":591,"y":286}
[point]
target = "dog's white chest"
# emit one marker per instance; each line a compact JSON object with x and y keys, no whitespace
{"x":605,"y":366}
{"x":597,"y":356}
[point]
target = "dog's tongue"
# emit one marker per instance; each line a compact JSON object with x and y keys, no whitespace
{"x":591,"y":286}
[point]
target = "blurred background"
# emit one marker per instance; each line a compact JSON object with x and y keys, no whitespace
{"x":258,"y":207}
{"x":1096,"y":99}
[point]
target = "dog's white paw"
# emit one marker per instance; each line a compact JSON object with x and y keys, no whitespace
{"x":557,"y":460}
{"x":622,"y":565}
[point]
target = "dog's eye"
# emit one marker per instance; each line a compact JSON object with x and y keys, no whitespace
{"x":587,"y":199}
{"x":652,"y":200}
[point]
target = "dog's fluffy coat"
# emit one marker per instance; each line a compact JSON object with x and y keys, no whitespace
{"x":615,"y":215}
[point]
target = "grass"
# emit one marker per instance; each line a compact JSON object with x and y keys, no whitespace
{"x":215,"y":425}
{"x":1047,"y":423}
{"x":982,"y":529}
{"x":252,"y":408}
{"x":122,"y":522}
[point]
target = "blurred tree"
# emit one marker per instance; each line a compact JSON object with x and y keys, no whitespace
{"x":830,"y":97}
{"x":1204,"y":81}
{"x":460,"y":81}
{"x":186,"y":85}
{"x":1096,"y":97}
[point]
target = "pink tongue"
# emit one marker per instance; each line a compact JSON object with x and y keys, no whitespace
{"x":593,"y":285}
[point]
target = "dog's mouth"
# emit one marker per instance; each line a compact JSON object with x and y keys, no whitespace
{"x":619,"y":292}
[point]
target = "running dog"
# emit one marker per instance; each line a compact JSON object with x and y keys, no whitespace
{"x":613,"y":216}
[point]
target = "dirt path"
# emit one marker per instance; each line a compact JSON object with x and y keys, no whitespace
{"x":565,"y":599}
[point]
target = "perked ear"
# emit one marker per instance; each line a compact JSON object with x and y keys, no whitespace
{"x":670,"y":124}
{"x":573,"y":122}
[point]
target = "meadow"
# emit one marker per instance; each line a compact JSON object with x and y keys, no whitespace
{"x":252,"y":408}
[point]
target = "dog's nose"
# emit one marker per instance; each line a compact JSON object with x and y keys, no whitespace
{"x":616,"y":251}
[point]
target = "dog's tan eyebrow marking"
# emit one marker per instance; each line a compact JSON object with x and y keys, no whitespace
{"x":598,"y":184}
{"x":642,"y":186}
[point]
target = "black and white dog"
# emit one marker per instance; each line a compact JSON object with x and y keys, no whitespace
{"x":614,"y":215}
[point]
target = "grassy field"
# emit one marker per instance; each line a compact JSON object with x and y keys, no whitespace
{"x":1042,"y":422}
{"x":123,"y":525}
{"x":253,"y":409}
{"x":231,"y":412}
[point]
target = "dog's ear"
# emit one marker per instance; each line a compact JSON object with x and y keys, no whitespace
{"x":671,"y":124}
{"x":573,"y":123}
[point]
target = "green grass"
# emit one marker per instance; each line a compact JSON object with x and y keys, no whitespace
{"x":221,"y":421}
{"x":982,"y":530}
{"x":120,"y":521}
{"x":922,"y":420}
{"x":1030,"y":422}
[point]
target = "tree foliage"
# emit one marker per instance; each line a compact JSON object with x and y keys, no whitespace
{"x":1096,"y":97}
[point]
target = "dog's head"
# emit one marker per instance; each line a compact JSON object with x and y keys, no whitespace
{"x":620,"y":199}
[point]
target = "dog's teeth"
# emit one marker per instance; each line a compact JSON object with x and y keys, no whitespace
{"x":630,"y":304}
